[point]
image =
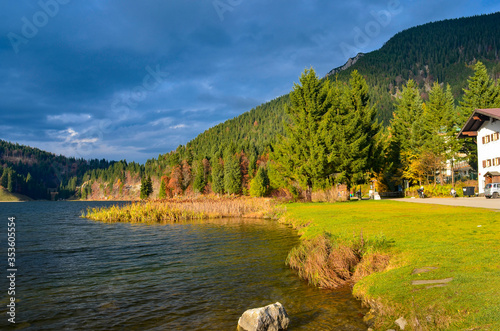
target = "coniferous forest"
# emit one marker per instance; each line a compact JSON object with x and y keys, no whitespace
{"x":391,"y":116}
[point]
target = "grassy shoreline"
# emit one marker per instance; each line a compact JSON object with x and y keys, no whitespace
{"x":428,"y":242}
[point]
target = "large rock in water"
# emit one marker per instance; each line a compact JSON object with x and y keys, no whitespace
{"x":268,"y":318}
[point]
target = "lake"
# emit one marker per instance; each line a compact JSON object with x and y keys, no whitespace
{"x":77,"y":274}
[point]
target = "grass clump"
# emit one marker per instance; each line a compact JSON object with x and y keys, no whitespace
{"x":453,"y":242}
{"x":331,"y":261}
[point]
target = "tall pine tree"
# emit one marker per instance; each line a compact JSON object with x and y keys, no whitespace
{"x":353,"y":138}
{"x":232,"y":173}
{"x":259,"y":185}
{"x":302,"y":157}
{"x":439,"y":128}
{"x":162,"y":193}
{"x":217,"y":174}
{"x":146,"y":187}
{"x":200,"y":179}
{"x":406,"y":129}
{"x":480,"y":93}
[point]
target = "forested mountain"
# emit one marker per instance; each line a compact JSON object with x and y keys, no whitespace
{"x":36,"y":173}
{"x":443,"y":52}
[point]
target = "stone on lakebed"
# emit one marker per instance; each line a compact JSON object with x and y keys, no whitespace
{"x":269,"y":318}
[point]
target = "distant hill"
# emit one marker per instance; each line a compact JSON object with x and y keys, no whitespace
{"x":42,"y":175}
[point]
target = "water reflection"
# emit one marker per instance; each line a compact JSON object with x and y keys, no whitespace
{"x":81,"y":274}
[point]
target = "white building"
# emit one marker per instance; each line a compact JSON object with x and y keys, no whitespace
{"x":460,"y":168}
{"x":484,"y":124}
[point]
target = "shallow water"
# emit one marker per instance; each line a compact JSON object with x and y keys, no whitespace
{"x":77,"y":274}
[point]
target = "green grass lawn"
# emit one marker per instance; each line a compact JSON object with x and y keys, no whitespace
{"x":462,"y":243}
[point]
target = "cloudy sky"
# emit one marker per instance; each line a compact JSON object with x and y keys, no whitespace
{"x":130,"y":79}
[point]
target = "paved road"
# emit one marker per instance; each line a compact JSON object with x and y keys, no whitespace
{"x":478,"y":202}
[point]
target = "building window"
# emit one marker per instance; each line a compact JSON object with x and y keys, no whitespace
{"x":488,"y":163}
{"x":496,"y":136}
{"x":496,"y":161}
{"x":486,"y":139}
{"x":484,"y":163}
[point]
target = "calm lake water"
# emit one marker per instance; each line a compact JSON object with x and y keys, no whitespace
{"x":77,"y":274}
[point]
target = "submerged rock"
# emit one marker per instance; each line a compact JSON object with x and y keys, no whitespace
{"x":269,"y":318}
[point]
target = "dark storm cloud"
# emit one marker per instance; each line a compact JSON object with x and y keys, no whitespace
{"x":131,"y":79}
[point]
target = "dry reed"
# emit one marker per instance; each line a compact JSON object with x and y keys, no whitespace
{"x":175,"y":210}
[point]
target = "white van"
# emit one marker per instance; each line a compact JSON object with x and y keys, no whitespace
{"x":492,"y":190}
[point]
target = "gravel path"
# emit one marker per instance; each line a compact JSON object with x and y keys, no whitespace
{"x":478,"y":202}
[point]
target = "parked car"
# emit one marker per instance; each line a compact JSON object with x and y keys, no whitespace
{"x":492,"y":190}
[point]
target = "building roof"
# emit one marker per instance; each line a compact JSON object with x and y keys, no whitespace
{"x":492,"y":173}
{"x":476,"y":120}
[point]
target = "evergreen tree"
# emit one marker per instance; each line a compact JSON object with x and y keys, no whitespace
{"x":481,"y":93}
{"x":146,"y":187}
{"x":259,"y":185}
{"x":439,"y":128}
{"x":407,"y":123}
{"x":10,"y":180}
{"x":232,"y":173}
{"x":5,"y":178}
{"x":162,"y":193}
{"x":217,"y":175}
{"x":353,"y":138}
{"x":200,"y":179}
{"x":406,"y":128}
{"x":302,"y":157}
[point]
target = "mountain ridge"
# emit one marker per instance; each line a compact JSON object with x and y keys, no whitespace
{"x":352,"y":61}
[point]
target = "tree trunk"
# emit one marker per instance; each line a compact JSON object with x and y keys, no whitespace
{"x":452,"y":174}
{"x":308,"y":194}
